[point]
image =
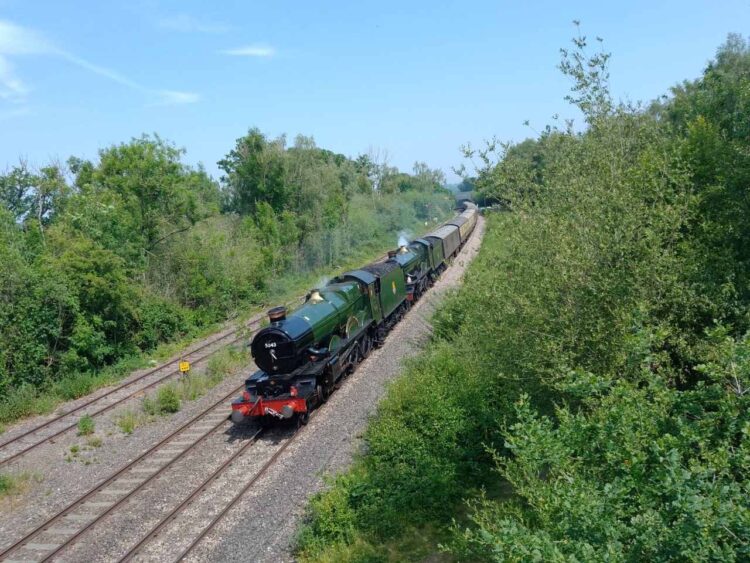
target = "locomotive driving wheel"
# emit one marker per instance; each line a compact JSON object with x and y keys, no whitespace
{"x":365,"y":346}
{"x":323,"y":392}
{"x":304,"y":417}
{"x":354,"y":358}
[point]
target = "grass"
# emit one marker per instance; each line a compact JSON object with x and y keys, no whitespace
{"x":169,"y":398}
{"x":15,"y":484}
{"x":84,"y":453}
{"x":94,"y":442}
{"x":414,"y":544}
{"x":28,"y":401}
{"x":131,"y":419}
{"x":86,"y":425}
{"x":225,"y":362}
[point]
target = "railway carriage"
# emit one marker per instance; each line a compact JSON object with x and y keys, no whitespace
{"x":464,"y":227}
{"x":449,"y":237}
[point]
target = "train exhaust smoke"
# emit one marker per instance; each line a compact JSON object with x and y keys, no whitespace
{"x":403,"y":238}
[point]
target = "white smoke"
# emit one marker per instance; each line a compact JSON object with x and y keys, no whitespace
{"x":322,"y":282}
{"x":403,"y":238}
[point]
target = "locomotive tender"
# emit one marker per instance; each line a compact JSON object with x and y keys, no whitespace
{"x":304,"y":354}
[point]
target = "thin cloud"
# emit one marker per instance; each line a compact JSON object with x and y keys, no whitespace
{"x":185,"y":23}
{"x":102,"y":71}
{"x":173,"y":98}
{"x":250,"y":51}
{"x":17,"y":40}
{"x":12,"y":88}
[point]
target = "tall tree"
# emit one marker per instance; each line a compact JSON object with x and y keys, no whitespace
{"x":254,"y":173}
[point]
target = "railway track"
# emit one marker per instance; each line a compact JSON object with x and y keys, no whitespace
{"x":214,"y":521}
{"x":33,"y":438}
{"x":185,"y":504}
{"x":69,"y":524}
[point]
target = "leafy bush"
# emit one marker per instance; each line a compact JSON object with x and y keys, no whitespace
{"x":85,"y":425}
{"x":25,"y":401}
{"x":168,"y":399}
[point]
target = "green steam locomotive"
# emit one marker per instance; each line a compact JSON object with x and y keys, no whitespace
{"x":304,"y":354}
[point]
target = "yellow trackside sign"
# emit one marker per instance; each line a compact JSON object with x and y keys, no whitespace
{"x":184,"y":367}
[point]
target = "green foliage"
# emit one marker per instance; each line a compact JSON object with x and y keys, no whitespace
{"x":225,"y":362}
{"x":14,"y":484}
{"x":255,"y":173}
{"x":136,"y":252}
{"x":25,"y":401}
{"x":131,"y":419}
{"x":86,"y":425}
{"x":6,"y":484}
{"x":165,"y":401}
{"x":94,"y":442}
{"x":588,"y":385}
{"x":168,"y":399}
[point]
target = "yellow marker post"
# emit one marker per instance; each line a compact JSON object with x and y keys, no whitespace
{"x":184,"y":367}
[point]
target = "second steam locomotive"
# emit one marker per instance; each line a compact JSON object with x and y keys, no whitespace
{"x":302,"y":355}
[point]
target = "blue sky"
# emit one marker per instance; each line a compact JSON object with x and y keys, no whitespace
{"x":412,"y":79}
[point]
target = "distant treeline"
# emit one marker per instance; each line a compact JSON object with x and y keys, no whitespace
{"x":587,"y":395}
{"x":104,"y":259}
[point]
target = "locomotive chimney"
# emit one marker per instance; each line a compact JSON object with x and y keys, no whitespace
{"x":277,"y":314}
{"x":391,"y":254}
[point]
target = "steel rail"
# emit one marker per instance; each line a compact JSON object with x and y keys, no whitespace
{"x":253,"y":322}
{"x":133,"y":551}
{"x":112,"y":478}
{"x":238,"y":496}
{"x":119,"y":502}
{"x":216,"y":519}
{"x":154,"y":532}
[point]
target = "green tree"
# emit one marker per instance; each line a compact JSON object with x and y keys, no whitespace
{"x":255,"y":172}
{"x":162,"y":196}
